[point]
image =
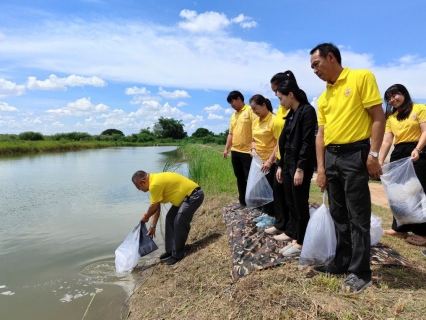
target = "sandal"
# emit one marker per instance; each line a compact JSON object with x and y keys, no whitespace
{"x":416,"y":240}
{"x":391,"y":232}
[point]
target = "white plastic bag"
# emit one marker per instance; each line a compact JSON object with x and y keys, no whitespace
{"x":258,"y":191}
{"x":319,"y":245}
{"x":376,"y":230}
{"x":127,"y":254}
{"x":404,"y":191}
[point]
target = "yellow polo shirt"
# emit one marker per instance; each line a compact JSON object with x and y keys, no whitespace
{"x":407,"y":130}
{"x":279,"y":124}
{"x":170,"y":187}
{"x":240,"y":128}
{"x":342,"y":107}
{"x":264,"y":136}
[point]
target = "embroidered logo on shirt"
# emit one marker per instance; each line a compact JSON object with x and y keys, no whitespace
{"x":245,"y":114}
{"x":347,"y":92}
{"x":414,"y":116}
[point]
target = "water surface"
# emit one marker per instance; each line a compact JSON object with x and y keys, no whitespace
{"x":62,"y":216}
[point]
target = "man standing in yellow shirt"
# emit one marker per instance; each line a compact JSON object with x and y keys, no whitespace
{"x":240,"y":137}
{"x":349,"y":114}
{"x":184,"y":195}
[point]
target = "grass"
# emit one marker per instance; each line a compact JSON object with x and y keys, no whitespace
{"x":200,"y":286}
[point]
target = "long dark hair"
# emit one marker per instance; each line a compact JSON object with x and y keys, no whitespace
{"x":291,"y":86}
{"x":283,"y":76}
{"x":405,"y":109}
{"x":259,"y":100}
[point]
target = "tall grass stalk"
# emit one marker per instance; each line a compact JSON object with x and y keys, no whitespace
{"x":207,"y":167}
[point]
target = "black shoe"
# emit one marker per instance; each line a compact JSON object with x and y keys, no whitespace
{"x":330,"y":268}
{"x":165,"y":256}
{"x":172,"y":261}
{"x":355,"y":285}
{"x":424,"y":252}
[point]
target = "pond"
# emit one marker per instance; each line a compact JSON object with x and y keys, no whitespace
{"x":62,"y":217}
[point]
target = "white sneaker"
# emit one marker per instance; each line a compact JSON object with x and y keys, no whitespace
{"x":272,"y":231}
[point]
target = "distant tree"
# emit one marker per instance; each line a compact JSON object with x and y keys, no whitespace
{"x":146,"y":130}
{"x":30,"y":136}
{"x":111,"y":132}
{"x":169,"y":128}
{"x":201,"y":133}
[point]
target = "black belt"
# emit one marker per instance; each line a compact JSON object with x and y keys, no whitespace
{"x":193,"y":191}
{"x":347,"y":147}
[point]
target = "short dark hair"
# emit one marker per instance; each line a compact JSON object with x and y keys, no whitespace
{"x":233,"y":95}
{"x":325,"y":48}
{"x":283,"y":76}
{"x":406,"y":108}
{"x":139,"y":175}
{"x":259,"y":100}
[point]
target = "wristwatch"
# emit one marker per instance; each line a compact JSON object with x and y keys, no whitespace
{"x":374,"y":154}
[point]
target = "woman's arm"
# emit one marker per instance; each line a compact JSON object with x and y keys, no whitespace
{"x":384,"y":149}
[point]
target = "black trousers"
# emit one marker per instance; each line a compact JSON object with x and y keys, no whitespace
{"x":350,"y":207}
{"x":282,"y":213}
{"x":297,"y":198}
{"x":241,"y":164}
{"x":403,"y":150}
{"x":270,"y":207}
{"x":178,"y":223}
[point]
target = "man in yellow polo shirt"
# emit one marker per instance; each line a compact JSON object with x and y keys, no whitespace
{"x":184,"y":195}
{"x":349,"y":114}
{"x":240,"y":138}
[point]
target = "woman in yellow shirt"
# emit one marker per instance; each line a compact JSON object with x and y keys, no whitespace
{"x":264,"y":142}
{"x":406,"y":123}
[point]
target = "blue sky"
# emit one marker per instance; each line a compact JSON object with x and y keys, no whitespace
{"x":91,"y":65}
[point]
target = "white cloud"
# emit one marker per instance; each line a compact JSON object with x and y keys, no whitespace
{"x":7,"y":108}
{"x":181,"y":104}
{"x":8,"y":88}
{"x":177,"y":94}
{"x":209,"y":22}
{"x":136,"y":90}
{"x":229,"y":111}
{"x":79,"y":107}
{"x":213,"y":108}
{"x":213,"y":116}
{"x":194,"y":123}
{"x":137,"y":99}
{"x":55,"y":83}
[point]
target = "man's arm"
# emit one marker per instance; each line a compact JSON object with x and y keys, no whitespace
{"x":377,"y":132}
{"x":227,"y":146}
{"x":153,"y":209}
{"x":320,"y":150}
{"x":384,"y":149}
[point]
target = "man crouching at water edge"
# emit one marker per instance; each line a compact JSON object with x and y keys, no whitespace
{"x":184,"y":195}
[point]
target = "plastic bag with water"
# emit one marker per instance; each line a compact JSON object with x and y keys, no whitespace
{"x":406,"y":197}
{"x":319,"y":245}
{"x":376,"y":230}
{"x":127,"y":254}
{"x":258,"y":191}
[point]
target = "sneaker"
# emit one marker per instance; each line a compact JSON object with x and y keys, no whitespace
{"x":355,"y":285}
{"x":293,"y":251}
{"x":282,"y":237}
{"x":165,"y":256}
{"x":424,"y":252}
{"x":285,"y":248}
{"x":330,"y":268}
{"x":266,"y":222}
{"x":260,"y":218}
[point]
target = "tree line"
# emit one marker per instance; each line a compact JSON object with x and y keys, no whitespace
{"x":165,"y":130}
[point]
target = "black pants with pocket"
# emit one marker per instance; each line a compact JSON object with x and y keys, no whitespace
{"x":241,"y":164}
{"x":178,"y":223}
